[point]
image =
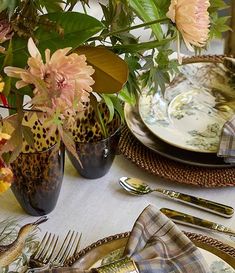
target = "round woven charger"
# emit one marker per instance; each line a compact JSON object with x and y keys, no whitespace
{"x":174,"y":171}
{"x":229,"y":250}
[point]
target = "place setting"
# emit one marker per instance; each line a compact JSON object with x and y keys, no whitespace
{"x":154,"y":242}
{"x":183,"y":127}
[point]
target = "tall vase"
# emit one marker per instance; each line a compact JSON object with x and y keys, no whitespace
{"x":38,"y":171}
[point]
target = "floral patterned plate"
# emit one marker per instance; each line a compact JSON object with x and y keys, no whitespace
{"x":193,"y":110}
{"x":148,"y":139}
{"x":220,"y":257}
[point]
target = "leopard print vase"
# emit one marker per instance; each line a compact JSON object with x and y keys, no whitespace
{"x":38,"y":171}
{"x":95,"y":152}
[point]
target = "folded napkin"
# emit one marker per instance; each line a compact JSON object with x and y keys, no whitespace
{"x":227,"y":141}
{"x":155,"y":245}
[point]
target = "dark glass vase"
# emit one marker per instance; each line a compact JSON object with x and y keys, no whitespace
{"x":96,"y":153}
{"x":37,"y":180}
{"x":96,"y":157}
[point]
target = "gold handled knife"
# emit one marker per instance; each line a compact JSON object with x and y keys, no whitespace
{"x":189,"y":220}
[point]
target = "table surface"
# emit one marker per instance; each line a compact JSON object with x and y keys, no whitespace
{"x":100,"y":207}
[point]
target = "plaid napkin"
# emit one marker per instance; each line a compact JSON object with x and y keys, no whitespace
{"x":227,"y":141}
{"x":157,"y":245}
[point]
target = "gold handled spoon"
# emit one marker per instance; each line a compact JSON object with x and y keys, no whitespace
{"x":138,"y":187}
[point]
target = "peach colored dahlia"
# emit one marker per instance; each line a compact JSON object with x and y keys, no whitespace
{"x":192,"y":20}
{"x":63,"y":82}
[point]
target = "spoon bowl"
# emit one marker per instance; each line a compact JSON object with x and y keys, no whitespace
{"x":135,"y":186}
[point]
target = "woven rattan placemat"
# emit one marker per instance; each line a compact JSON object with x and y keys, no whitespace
{"x":174,"y":171}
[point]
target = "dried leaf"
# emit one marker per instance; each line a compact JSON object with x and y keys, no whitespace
{"x":111,"y":72}
{"x":69,"y":143}
{"x":14,"y":144}
{"x":28,"y":135}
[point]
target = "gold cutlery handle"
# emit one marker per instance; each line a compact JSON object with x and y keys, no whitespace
{"x":208,"y":205}
{"x":186,"y":219}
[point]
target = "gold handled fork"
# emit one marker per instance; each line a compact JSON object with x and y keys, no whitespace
{"x":46,"y":255}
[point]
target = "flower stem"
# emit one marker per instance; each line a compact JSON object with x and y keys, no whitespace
{"x":165,"y":19}
{"x":137,"y":26}
{"x":24,"y":110}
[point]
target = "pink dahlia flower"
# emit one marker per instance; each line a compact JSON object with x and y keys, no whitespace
{"x":62,"y":83}
{"x":192,"y":20}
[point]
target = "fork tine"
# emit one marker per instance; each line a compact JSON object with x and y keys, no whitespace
{"x":55,"y":260}
{"x":40,"y":246}
{"x":73,"y":247}
{"x":47,"y":257}
{"x":45,"y":250}
{"x":66,"y":248}
{"x":77,"y":246}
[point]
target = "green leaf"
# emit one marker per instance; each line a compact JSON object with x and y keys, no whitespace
{"x":110,"y":106}
{"x":3,"y":5}
{"x":148,"y":11}
{"x":118,"y":106}
{"x":51,"y":5}
{"x":216,"y":5}
{"x":163,"y":6}
{"x":218,"y":25}
{"x":10,"y":5}
{"x":14,"y":100}
{"x":9,"y":56}
{"x":98,"y":115}
{"x":126,"y":96}
{"x":77,"y":28}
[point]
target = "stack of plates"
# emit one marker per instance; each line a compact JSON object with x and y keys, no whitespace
{"x":185,"y":123}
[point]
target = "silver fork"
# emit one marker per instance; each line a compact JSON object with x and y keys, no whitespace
{"x":68,"y":249}
{"x":46,"y":256}
{"x":43,"y":253}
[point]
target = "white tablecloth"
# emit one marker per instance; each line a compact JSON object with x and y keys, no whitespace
{"x":99,"y":208}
